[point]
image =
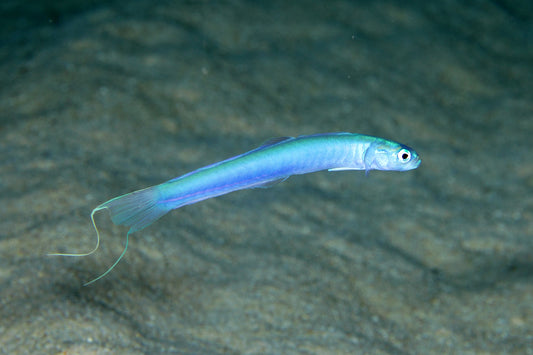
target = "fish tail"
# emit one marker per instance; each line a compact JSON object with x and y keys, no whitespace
{"x":137,"y":209}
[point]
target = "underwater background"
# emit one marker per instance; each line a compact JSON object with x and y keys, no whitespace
{"x":101,"y":98}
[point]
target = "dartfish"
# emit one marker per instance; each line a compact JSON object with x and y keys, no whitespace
{"x":271,"y":163}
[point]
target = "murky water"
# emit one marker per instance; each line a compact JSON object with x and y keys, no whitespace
{"x":102,"y":99}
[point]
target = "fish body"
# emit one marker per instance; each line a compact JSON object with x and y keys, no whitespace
{"x":267,"y":165}
{"x":272,"y":162}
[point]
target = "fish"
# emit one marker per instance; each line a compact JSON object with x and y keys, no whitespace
{"x":271,"y":163}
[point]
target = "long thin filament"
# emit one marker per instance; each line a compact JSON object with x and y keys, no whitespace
{"x":96,"y":248}
{"x":97,"y":238}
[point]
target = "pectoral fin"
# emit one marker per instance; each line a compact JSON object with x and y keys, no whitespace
{"x":342,"y":169}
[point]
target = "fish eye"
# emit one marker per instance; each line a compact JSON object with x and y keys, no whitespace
{"x":404,"y":155}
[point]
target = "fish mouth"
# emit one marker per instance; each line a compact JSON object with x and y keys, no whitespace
{"x":416,"y":162}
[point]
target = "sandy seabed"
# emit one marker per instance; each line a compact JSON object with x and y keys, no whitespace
{"x":102,"y":98}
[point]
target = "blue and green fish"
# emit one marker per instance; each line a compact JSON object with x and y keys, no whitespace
{"x":271,"y":163}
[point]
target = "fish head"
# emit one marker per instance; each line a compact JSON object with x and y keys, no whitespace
{"x":388,"y":155}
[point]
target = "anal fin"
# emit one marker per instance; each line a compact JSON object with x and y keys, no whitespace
{"x":271,"y":183}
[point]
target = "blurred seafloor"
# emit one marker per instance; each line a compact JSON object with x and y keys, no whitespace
{"x":102,"y":98}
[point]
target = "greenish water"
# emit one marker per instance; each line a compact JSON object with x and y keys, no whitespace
{"x":100,"y":99}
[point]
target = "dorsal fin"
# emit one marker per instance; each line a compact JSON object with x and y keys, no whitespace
{"x":273,"y":141}
{"x":266,"y":144}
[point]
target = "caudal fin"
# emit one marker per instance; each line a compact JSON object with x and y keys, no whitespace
{"x":137,"y":209}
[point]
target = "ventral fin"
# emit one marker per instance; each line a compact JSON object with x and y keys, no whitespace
{"x":271,"y":183}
